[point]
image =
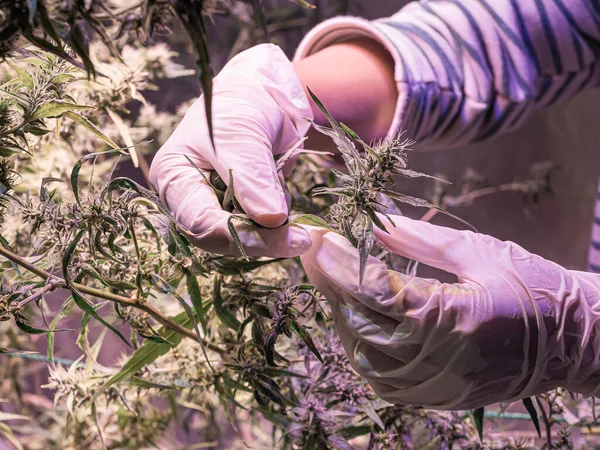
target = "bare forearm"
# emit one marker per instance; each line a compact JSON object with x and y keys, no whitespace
{"x":355,"y":81}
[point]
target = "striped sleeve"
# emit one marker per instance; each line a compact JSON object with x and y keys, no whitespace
{"x":467,"y":70}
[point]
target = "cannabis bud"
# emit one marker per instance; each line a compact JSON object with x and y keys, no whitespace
{"x":371,"y":176}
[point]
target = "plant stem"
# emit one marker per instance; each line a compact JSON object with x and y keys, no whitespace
{"x":155,"y":313}
{"x":308,"y":305}
{"x":50,"y":286}
{"x":547,"y":422}
{"x":470,"y":196}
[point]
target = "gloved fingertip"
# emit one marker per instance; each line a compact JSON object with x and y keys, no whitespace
{"x":283,"y":242}
{"x":301,"y":244}
{"x":269,"y":219}
{"x":267,"y":207}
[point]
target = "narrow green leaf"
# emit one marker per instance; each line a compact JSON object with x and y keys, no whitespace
{"x":7,"y":246}
{"x":268,"y":388}
{"x":75,"y":175}
{"x":177,"y":245}
{"x":77,"y":41}
{"x":455,"y":217}
{"x":6,"y":432}
{"x":163,"y":285}
{"x":234,"y":385}
{"x":280,"y":420}
{"x":224,"y":315}
{"x":78,"y":297}
{"x":478,"y":417}
{"x":126,"y":183}
{"x":365,"y":241}
{"x":343,"y":143}
{"x":47,"y":25}
{"x":236,"y":236}
{"x":318,"y":102}
{"x":55,"y":108}
{"x":64,"y":310}
{"x":369,"y":410}
{"x":193,"y":164}
{"x":272,"y":372}
{"x":5,"y":152}
{"x":35,"y":130}
{"x":193,"y":289}
{"x":268,"y":343}
{"x":96,"y":25}
{"x":528,"y":403}
{"x":23,"y":75}
{"x":258,"y":332}
{"x":311,"y":219}
{"x":193,"y":21}
{"x":125,"y":135}
{"x":90,"y":126}
{"x":303,"y":334}
{"x":98,"y":246}
{"x":407,"y":173}
{"x":147,"y":353}
{"x":229,"y":192}
{"x":232,"y":266}
{"x":354,"y":431}
{"x":350,"y":132}
{"x":63,"y":78}
{"x":68,"y":254}
{"x":347,"y":229}
{"x":378,"y":223}
{"x":83,"y":304}
{"x":409,"y":200}
{"x":82,"y":340}
{"x":25,"y":327}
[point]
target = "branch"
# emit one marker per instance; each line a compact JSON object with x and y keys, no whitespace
{"x":50,"y":286}
{"x":547,"y":422}
{"x":470,"y":196}
{"x":59,"y":283}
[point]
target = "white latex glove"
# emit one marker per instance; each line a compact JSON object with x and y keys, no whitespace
{"x":514,"y":325}
{"x":259,"y":110}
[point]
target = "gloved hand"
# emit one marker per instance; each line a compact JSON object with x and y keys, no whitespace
{"x":259,"y":111}
{"x":514,"y":325}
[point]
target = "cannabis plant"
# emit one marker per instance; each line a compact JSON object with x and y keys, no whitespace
{"x":117,"y":333}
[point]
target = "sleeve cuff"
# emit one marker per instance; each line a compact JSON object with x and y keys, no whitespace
{"x":340,"y":29}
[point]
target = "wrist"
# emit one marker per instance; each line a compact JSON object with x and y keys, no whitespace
{"x":355,"y":82}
